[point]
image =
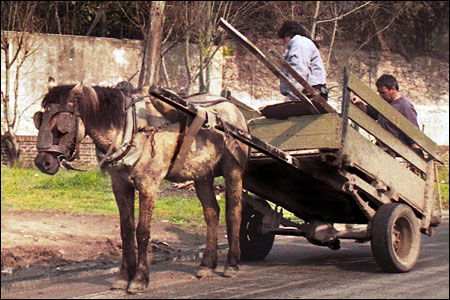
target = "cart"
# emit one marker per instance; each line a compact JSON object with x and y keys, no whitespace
{"x":340,"y":176}
{"x":332,"y":171}
{"x":323,"y":167}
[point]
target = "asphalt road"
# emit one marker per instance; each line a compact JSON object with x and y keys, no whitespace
{"x":293,"y":269}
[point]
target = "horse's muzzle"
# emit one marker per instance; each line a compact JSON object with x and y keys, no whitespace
{"x":47,"y":162}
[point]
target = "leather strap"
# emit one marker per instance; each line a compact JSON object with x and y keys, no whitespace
{"x":191,"y":133}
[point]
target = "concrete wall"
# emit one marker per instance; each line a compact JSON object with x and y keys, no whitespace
{"x":424,"y":80}
{"x":95,"y":61}
{"x":106,"y":61}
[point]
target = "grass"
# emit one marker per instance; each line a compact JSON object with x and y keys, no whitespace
{"x":443,"y":183}
{"x":90,"y":193}
{"x":85,"y":193}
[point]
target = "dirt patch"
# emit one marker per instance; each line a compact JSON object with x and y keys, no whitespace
{"x":55,"y":239}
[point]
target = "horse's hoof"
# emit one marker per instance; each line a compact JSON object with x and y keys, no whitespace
{"x":204,"y":272}
{"x":230,"y":271}
{"x":119,"y":284}
{"x":136,"y":287}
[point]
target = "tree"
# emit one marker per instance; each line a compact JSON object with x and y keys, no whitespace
{"x":152,"y":50}
{"x":17,"y":47}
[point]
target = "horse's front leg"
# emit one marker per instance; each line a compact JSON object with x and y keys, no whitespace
{"x":205,"y":194}
{"x":147,"y":193}
{"x":124,"y":195}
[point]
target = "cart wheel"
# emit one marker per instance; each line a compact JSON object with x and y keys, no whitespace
{"x":395,"y":238}
{"x":254,"y":244}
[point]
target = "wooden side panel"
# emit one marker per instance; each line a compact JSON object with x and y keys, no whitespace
{"x":362,"y":154}
{"x":307,"y":132}
{"x":370,"y":125}
{"x":390,"y":113}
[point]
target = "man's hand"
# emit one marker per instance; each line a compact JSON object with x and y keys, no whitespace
{"x":360,"y":104}
{"x":416,"y":148}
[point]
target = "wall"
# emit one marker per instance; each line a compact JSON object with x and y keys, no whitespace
{"x":424,"y":80}
{"x":95,"y":61}
{"x":28,"y":152}
{"x":105,"y":61}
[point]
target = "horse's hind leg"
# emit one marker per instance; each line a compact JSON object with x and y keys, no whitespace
{"x":205,"y":193}
{"x":233,"y":182}
{"x":124,"y":194}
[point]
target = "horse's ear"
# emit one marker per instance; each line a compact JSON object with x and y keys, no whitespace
{"x":78,"y":88}
{"x":51,"y":83}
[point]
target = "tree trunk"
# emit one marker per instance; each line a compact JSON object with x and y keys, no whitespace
{"x":12,"y":148}
{"x":154,"y":43}
{"x":314,"y":24}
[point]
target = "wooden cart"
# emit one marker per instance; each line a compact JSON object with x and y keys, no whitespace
{"x":331,"y":171}
{"x":341,"y":176}
{"x":319,"y":165}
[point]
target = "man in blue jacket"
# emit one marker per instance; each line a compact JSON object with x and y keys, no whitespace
{"x":304,"y":56}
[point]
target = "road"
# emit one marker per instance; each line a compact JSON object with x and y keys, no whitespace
{"x":293,"y":269}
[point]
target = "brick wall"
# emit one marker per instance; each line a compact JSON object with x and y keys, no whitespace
{"x":87,"y":151}
{"x":27,"y":144}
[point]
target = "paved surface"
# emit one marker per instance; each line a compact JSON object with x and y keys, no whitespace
{"x":293,"y":269}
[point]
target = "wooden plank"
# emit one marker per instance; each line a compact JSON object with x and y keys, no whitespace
{"x":285,"y":110}
{"x":362,"y":154}
{"x":317,"y":99}
{"x":297,"y":133}
{"x":260,"y":55}
{"x":371,"y":126}
{"x":390,"y":113}
{"x":243,"y":136}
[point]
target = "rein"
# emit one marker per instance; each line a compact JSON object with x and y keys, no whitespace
{"x":183,"y":143}
{"x":129,"y":133}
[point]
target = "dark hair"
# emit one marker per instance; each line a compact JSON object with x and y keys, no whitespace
{"x":291,"y":28}
{"x":388,"y":81}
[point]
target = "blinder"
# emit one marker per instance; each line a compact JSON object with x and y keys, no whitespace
{"x":61,"y":135}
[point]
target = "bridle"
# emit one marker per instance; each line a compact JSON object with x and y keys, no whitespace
{"x":66,"y":129}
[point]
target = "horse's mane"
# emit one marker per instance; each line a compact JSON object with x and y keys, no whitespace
{"x":101,"y":109}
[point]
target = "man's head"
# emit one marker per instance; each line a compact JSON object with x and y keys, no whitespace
{"x":387,"y":87}
{"x":290,"y":29}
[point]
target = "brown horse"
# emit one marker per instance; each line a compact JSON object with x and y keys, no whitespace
{"x":139,"y":159}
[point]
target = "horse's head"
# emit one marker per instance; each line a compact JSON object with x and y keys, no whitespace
{"x":60,"y":127}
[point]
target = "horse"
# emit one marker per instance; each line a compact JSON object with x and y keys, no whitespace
{"x":140,"y":163}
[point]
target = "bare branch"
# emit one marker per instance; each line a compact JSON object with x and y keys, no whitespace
{"x":344,"y":15}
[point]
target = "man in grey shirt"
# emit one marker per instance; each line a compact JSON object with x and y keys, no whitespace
{"x":304,"y":56}
{"x":388,"y":89}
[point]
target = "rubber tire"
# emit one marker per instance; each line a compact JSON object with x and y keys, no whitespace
{"x":395,"y":255}
{"x":254,"y":244}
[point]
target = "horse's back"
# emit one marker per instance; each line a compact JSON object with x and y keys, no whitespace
{"x":224,"y":109}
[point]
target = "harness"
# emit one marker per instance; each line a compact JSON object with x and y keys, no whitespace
{"x":69,"y":127}
{"x":128,"y":153}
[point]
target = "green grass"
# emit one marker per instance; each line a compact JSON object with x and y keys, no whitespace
{"x":443,"y":183}
{"x":85,"y":193}
{"x":90,"y":193}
